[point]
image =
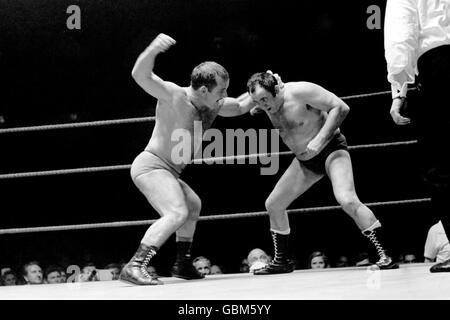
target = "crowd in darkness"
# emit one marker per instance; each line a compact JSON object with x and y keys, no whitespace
{"x":34,"y":272}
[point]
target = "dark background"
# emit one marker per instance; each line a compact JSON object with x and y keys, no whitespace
{"x":50,"y":74}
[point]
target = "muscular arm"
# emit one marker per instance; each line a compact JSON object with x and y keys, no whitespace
{"x":143,"y":69}
{"x":233,"y":107}
{"x":319,"y":98}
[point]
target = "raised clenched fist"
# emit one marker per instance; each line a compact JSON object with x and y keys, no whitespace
{"x":162,"y":42}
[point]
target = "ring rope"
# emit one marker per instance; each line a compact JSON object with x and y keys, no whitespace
{"x":138,"y":120}
{"x":195,"y":161}
{"x":366,"y":95}
{"x":202,"y":218}
{"x":77,"y":125}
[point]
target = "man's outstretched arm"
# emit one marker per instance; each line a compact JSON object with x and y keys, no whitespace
{"x":233,"y":107}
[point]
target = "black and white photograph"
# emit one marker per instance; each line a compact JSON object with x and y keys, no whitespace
{"x":221,"y":155}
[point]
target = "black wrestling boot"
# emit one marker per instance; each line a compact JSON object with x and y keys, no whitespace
{"x":183,"y":267}
{"x":135,"y":271}
{"x":373,"y":235}
{"x":281,"y":262}
{"x":441,"y":267}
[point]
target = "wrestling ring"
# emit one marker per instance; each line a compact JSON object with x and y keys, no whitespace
{"x":412,"y":281}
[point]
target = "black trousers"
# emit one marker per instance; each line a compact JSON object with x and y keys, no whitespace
{"x":433,"y":123}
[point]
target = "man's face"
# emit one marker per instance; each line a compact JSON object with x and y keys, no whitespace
{"x":152,"y":271}
{"x":115,"y":273}
{"x":10,"y":280}
{"x":88,"y":270}
{"x":258,"y":256}
{"x":54,"y":277}
{"x":34,"y":274}
{"x":265,"y":100}
{"x":214,"y":98}
{"x":203,"y":267}
{"x":342,"y":262}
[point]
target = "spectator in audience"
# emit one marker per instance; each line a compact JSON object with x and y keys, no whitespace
{"x":257,"y":259}
{"x":63,"y":275}
{"x":152,"y":271}
{"x":437,"y":247}
{"x":318,"y":260}
{"x":8,"y":278}
{"x":202,"y":265}
{"x":342,"y":261}
{"x":4,"y":269}
{"x":115,"y":270}
{"x":243,"y":267}
{"x":88,"y":273}
{"x":215,"y":269}
{"x":32,"y":273}
{"x":401,"y":258}
{"x":53,"y":275}
{"x":409,"y":257}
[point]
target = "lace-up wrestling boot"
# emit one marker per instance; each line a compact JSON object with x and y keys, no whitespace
{"x":281,"y":262}
{"x":373,"y":234}
{"x":183,"y":267}
{"x":135,"y":271}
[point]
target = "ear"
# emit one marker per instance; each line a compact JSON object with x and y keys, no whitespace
{"x":277,"y":89}
{"x":203,"y":90}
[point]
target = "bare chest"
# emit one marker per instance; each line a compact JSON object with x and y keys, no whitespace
{"x":190,"y":116}
{"x":295,"y":118}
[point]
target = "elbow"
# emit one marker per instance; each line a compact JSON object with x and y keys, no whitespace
{"x":139,"y":76}
{"x":341,"y":109}
{"x":345,"y":109}
{"x":135,"y":74}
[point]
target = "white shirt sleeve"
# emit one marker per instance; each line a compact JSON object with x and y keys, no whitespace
{"x":430,"y":250}
{"x":401,"y":44}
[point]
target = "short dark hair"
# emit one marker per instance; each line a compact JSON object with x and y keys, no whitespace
{"x":265,"y":80}
{"x":205,"y":75}
{"x":50,"y":269}
{"x":30,"y":263}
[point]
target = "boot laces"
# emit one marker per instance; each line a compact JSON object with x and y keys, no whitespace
{"x":373,"y":238}
{"x":145,"y":263}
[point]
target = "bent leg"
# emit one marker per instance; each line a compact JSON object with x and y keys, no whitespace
{"x":340,"y":172}
{"x":183,"y":267}
{"x":194,"y":204}
{"x":293,"y":183}
{"x":165,"y":193}
{"x":339,"y":169}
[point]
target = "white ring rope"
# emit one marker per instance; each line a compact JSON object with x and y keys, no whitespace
{"x":202,"y":218}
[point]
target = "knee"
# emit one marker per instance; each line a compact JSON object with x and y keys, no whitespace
{"x":195,"y":208}
{"x":178,"y":214}
{"x":273,"y":206}
{"x":349,"y":203}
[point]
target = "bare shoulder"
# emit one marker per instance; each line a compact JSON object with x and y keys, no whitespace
{"x":180,"y":96}
{"x":174,"y":88}
{"x":301,"y":88}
